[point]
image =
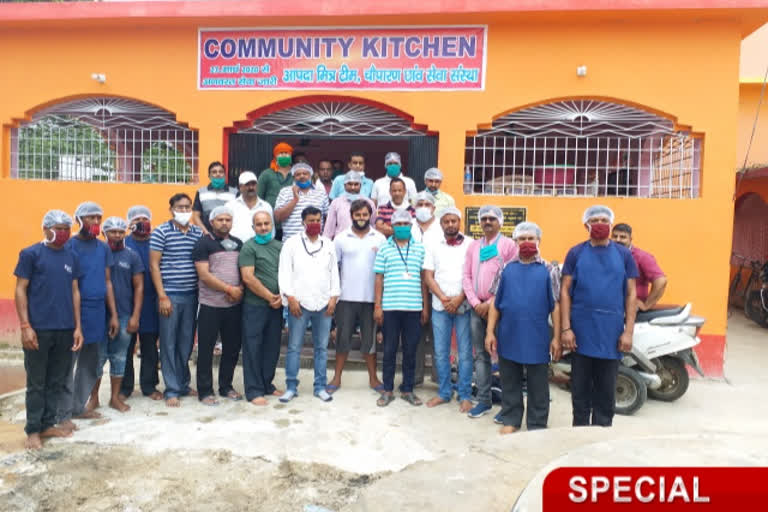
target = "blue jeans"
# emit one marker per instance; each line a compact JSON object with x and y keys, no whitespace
{"x":442,"y":327}
{"x":177,"y":335}
{"x":321,"y":328}
{"x":116,"y":350}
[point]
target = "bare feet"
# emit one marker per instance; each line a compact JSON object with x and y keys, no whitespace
{"x":336,"y":383}
{"x":55,"y":432}
{"x":191,"y":392}
{"x":209,"y":400}
{"x":156,"y":395}
{"x":173,"y":402}
{"x":375,"y":384}
{"x":259,"y":400}
{"x":122,"y":397}
{"x":465,"y":406}
{"x":278,"y":392}
{"x":119,"y":405}
{"x":92,"y":404}
{"x":436,"y":401}
{"x":507,"y":429}
{"x":68,"y":424}
{"x":89,"y":415}
{"x":33,"y":442}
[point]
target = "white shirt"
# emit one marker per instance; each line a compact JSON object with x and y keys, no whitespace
{"x":356,"y":256}
{"x":380,"y":192}
{"x":434,"y":232}
{"x":308,"y":271}
{"x":447,"y":261}
{"x":242,"y":220}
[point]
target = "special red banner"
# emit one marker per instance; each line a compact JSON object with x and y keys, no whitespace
{"x":380,"y":58}
{"x":706,"y":489}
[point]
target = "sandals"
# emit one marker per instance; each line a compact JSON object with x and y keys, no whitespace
{"x":385,"y":399}
{"x":411,"y":398}
{"x":209,"y":400}
{"x":234,"y":395}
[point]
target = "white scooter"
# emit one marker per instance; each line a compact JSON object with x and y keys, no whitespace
{"x":662,"y":346}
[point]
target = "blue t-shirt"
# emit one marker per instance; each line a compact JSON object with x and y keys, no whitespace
{"x":148,"y":321}
{"x":598,"y":294}
{"x":95,"y":257}
{"x":402,"y":275}
{"x":127,"y":264}
{"x":50,"y":273}
{"x":176,"y":265}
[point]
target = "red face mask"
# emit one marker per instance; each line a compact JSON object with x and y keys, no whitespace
{"x":313,"y":229}
{"x":528,"y":249}
{"x":600,"y":231}
{"x":142,"y":228}
{"x":115,"y":246}
{"x":59,"y":237}
{"x":93,"y":230}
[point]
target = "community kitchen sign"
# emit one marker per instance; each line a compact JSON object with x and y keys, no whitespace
{"x":377,"y":58}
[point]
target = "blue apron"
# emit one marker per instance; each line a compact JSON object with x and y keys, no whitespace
{"x":598,"y":294}
{"x":525,"y":300}
{"x":93,"y":317}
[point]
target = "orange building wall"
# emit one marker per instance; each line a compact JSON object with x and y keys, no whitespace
{"x":647,"y":64}
{"x":749,"y":97}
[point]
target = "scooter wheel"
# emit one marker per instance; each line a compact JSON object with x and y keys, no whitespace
{"x":631,"y":391}
{"x":753,"y":308}
{"x":674,"y":379}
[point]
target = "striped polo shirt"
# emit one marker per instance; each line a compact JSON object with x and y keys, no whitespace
{"x":312,"y":197}
{"x":385,"y":211}
{"x":176,"y":265}
{"x":402,"y":282}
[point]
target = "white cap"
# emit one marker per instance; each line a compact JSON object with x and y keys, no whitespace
{"x":352,"y":177}
{"x":114,"y":224}
{"x":301,"y":166}
{"x":53,"y":217}
{"x":392,"y":157}
{"x":424,"y":196}
{"x":527,"y":228}
{"x":220,"y":210}
{"x":401,"y":215}
{"x":138,"y":211}
{"x":433,"y":173}
{"x":247,"y":177}
{"x":88,"y":208}
{"x":597,"y":211}
{"x":451,"y":210}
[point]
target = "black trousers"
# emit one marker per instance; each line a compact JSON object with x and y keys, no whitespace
{"x":512,"y":406}
{"x":593,"y":390}
{"x":47,"y":368}
{"x":262,"y":333}
{"x":148,"y":378}
{"x":400,"y":326}
{"x":210,"y":322}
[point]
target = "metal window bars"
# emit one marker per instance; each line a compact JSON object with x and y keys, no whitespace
{"x":583,"y":148}
{"x":106,"y":140}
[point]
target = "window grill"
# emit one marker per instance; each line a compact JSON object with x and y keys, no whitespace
{"x":583,"y":148}
{"x":104,"y":139}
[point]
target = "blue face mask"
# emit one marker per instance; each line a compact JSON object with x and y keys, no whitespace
{"x":402,"y":232}
{"x":262,"y":239}
{"x":218,"y":182}
{"x":393,"y":170}
{"x":304,"y":185}
{"x":488,"y":252}
{"x":432,"y":191}
{"x":352,"y":197}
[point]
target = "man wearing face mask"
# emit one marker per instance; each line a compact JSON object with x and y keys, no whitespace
{"x":381,"y":189}
{"x":278,"y":176}
{"x":128,"y":284}
{"x":245,"y":206}
{"x":220,"y":296}
{"x":309,"y":283}
{"x":486,"y":258}
{"x":217,"y":193}
{"x":356,"y":249}
{"x":427,"y":228}
{"x":355,"y":163}
{"x":97,"y":304}
{"x":292,"y":201}
{"x":259,"y":263}
{"x":140,"y":225}
{"x":597,"y":311}
{"x":528,"y":292}
{"x":339,"y":219}
{"x":385,"y":211}
{"x":433,"y":178}
{"x":175,"y":279}
{"x":48,"y":305}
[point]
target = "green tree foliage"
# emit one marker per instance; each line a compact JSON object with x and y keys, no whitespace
{"x":161,"y":162}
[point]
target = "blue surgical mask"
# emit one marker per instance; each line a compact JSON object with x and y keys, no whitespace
{"x":262,"y":239}
{"x":218,"y":182}
{"x":432,"y":191}
{"x":393,"y":170}
{"x":305,"y":185}
{"x":402,"y":232}
{"x":352,"y":197}
{"x":488,"y":252}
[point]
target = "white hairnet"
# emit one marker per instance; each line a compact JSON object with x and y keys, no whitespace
{"x":401,"y":215}
{"x":137,"y":211}
{"x":596,"y":211}
{"x":527,"y":228}
{"x":53,"y":217}
{"x":352,"y":177}
{"x":114,"y":224}
{"x":494,"y":211}
{"x":433,"y":173}
{"x":392,"y":157}
{"x":424,"y":196}
{"x":301,"y":166}
{"x":451,"y":210}
{"x":221,"y":210}
{"x":88,"y":208}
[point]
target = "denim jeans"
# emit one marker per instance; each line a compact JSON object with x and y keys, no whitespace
{"x":321,"y":328}
{"x":177,"y":335}
{"x":397,"y":326}
{"x":262,"y":332}
{"x":442,"y":325}
{"x":593,"y":390}
{"x":47,"y":369}
{"x":116,"y":350}
{"x":482,"y":359}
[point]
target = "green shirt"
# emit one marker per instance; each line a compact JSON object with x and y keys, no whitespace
{"x":265,"y":260}
{"x":270,"y":183}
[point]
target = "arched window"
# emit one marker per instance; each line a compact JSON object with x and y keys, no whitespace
{"x":104,"y":139}
{"x":584,"y":147}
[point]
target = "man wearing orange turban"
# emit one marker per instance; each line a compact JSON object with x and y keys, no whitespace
{"x":276,"y":177}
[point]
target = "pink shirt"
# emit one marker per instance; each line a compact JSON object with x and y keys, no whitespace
{"x":479,"y":276}
{"x":648,"y":271}
{"x":339,"y":219}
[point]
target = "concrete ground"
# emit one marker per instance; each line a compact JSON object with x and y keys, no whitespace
{"x":349,"y":455}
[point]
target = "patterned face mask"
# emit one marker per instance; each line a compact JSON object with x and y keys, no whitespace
{"x":229,"y":245}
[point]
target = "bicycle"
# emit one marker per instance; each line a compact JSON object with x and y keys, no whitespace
{"x":736,"y":279}
{"x":756,"y":300}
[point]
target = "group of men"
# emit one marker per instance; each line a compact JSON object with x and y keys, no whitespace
{"x":380,"y":255}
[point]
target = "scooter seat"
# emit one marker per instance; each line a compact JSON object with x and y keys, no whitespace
{"x":647,"y":316}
